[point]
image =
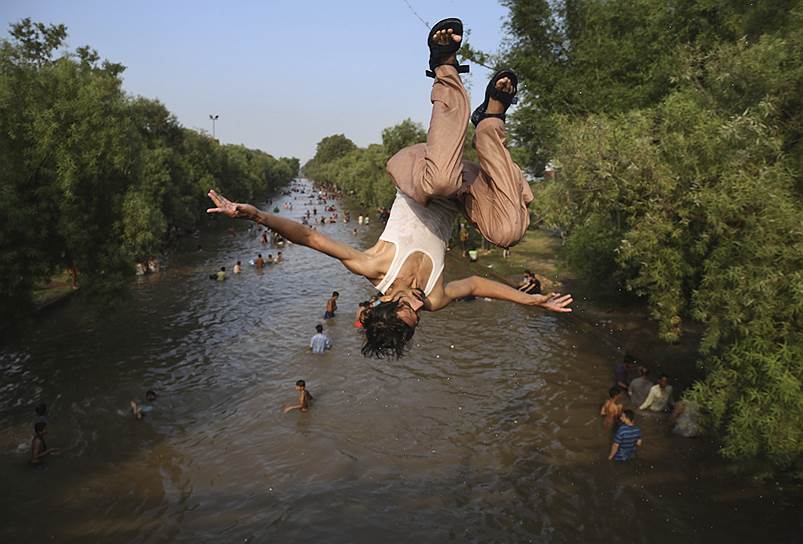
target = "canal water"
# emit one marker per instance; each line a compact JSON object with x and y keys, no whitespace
{"x":487,"y":432}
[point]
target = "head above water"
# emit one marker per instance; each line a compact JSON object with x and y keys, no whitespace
{"x":41,"y":409}
{"x":301,"y":384}
{"x":319,"y":328}
{"x":614,"y":391}
{"x":628,"y":416}
{"x":39,"y":427}
{"x":150,"y":395}
{"x":335,"y":294}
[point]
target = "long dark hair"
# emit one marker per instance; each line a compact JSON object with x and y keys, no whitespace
{"x":386,"y":334}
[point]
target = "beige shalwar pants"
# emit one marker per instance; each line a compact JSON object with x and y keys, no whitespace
{"x":494,"y":194}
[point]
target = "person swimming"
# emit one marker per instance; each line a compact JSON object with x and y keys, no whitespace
{"x":305,"y":398}
{"x":140,"y":409}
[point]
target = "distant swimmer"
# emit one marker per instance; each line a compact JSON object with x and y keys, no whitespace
{"x":320,"y":342}
{"x":39,"y":449}
{"x":139,"y":409}
{"x":433,"y":185}
{"x":612,"y":408}
{"x":331,"y":306}
{"x":304,"y":398}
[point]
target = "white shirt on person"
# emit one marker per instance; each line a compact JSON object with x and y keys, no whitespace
{"x":658,"y":398}
{"x":320,"y":343}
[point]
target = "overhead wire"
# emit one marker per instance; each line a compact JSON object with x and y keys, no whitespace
{"x":426,"y":24}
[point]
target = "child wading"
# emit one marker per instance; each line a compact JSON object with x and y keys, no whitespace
{"x":304,"y":398}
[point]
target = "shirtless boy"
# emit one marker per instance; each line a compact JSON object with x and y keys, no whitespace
{"x":612,"y":408}
{"x":304,"y":398}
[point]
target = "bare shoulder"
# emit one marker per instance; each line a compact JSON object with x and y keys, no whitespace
{"x":377,"y":260}
{"x":437,"y":299}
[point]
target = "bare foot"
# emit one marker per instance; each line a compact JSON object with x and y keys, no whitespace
{"x":495,"y":106}
{"x":443,"y":37}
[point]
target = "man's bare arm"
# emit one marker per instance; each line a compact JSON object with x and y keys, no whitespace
{"x":354,"y":260}
{"x":483,"y":287}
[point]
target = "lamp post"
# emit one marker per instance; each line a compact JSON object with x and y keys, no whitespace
{"x":213,"y":118}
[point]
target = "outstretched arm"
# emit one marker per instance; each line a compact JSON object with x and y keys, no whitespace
{"x":483,"y":287}
{"x":294,"y":231}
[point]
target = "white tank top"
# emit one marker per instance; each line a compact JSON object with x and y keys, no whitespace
{"x":413,"y":227}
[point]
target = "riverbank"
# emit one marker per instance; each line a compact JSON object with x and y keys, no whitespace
{"x":55,"y":291}
{"x":621,"y":322}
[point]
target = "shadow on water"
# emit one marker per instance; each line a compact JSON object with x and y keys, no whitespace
{"x":487,"y":432}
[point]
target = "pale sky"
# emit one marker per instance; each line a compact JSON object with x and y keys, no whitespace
{"x":281,"y":74}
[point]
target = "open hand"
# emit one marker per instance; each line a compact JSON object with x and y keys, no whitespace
{"x":228,"y":208}
{"x":555,"y":302}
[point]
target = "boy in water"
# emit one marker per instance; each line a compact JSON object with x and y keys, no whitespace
{"x":304,"y":398}
{"x":626,"y":439}
{"x":612,"y":408}
{"x":39,"y":448}
{"x":331,"y":306}
{"x":140,"y":409}
{"x":433,"y":185}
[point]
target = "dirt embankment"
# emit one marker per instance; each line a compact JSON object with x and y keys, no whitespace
{"x":619,"y":321}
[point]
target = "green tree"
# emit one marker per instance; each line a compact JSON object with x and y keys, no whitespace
{"x":93,"y":179}
{"x":676,"y":127}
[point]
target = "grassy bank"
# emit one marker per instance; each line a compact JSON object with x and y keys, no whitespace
{"x":57,"y":288}
{"x":619,"y":320}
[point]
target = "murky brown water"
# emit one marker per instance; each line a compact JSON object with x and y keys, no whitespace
{"x":487,"y":432}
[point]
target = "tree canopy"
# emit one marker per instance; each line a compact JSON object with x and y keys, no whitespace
{"x":676,"y":128}
{"x":93,"y":179}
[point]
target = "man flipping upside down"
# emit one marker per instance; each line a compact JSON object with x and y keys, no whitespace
{"x":434,"y":183}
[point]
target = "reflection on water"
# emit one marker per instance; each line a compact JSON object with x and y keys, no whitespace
{"x":488,"y":431}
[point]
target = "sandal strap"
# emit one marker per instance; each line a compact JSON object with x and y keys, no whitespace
{"x":439,"y":52}
{"x":505,"y":98}
{"x":478,"y":116}
{"x":461,"y":69}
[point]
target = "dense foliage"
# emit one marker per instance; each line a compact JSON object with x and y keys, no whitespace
{"x":338,"y":162}
{"x":676,"y":126}
{"x":93,"y":179}
{"x":358,"y":171}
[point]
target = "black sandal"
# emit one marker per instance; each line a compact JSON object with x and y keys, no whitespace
{"x":492,"y":92}
{"x":438,"y":53}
